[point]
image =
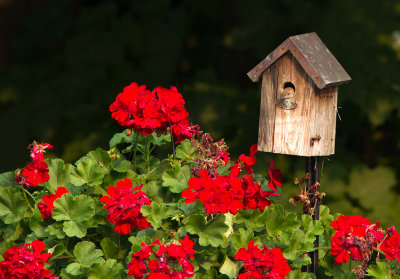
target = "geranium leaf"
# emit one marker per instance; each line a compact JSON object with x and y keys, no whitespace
{"x":87,"y":254}
{"x":37,"y":225}
{"x":275,"y":218}
{"x":251,"y":219}
{"x":210,"y":233}
{"x":185,"y":150}
{"x":176,"y":178}
{"x":155,"y":213}
{"x":102,"y":158}
{"x":230,"y":268}
{"x":76,"y":211}
{"x":160,"y":139}
{"x":74,"y":269}
{"x":297,"y":274}
{"x":311,"y":227}
{"x":110,"y":248}
{"x":7,"y":179}
{"x":122,"y":165}
{"x":242,"y":238}
{"x":380,"y":270}
{"x":87,"y":171}
{"x":121,"y":138}
{"x":59,"y":173}
{"x":106,"y":270}
{"x":12,"y":205}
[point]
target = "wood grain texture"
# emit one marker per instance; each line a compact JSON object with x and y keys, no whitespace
{"x":307,"y":130}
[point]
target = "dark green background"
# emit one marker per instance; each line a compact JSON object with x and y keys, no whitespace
{"x":62,"y":63}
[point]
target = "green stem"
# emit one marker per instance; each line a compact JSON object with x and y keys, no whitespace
{"x":148,"y":153}
{"x":26,"y":191}
{"x":134,"y":151}
{"x":350,"y":265}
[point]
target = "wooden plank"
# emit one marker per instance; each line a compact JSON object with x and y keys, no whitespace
{"x":307,"y":130}
{"x":267,"y":113}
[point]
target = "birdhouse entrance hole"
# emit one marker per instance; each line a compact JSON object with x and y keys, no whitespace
{"x":286,"y":99}
{"x":289,"y":85}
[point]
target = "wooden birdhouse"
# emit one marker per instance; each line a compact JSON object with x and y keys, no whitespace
{"x":300,"y":81}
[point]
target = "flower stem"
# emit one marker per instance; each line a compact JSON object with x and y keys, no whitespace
{"x":134,"y":150}
{"x":148,"y":142}
{"x":25,"y":192}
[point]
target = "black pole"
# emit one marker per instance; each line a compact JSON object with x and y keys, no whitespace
{"x":313,"y":169}
{"x":173,"y":147}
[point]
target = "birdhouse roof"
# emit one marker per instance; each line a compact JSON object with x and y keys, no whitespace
{"x":313,"y":56}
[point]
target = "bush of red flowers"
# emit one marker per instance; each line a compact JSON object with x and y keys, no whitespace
{"x":124,"y":213}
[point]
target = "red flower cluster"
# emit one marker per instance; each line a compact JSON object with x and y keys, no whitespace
{"x":46,"y":207}
{"x":36,"y":172}
{"x":25,"y":262}
{"x":391,"y":245}
{"x":262,"y":263}
{"x":147,"y":111}
{"x":123,"y":206}
{"x":229,"y":193}
{"x":355,"y":237}
{"x":166,"y":261}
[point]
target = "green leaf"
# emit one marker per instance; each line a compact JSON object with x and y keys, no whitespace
{"x":102,"y":158}
{"x":37,"y":225}
{"x":74,"y":269}
{"x":76,"y":211}
{"x":380,"y":270}
{"x":7,"y":179}
{"x":242,"y":238}
{"x":160,"y":139}
{"x":297,"y":274}
{"x":186,"y":151}
{"x":251,"y":219}
{"x":87,"y":171}
{"x":155,"y":213}
{"x":110,"y":249}
{"x":86,"y":253}
{"x":210,"y":233}
{"x":176,"y":178}
{"x":311,"y":227}
{"x":122,"y":165}
{"x":121,"y":138}
{"x":275,"y":217}
{"x":59,"y":174}
{"x":230,"y":268}
{"x":106,"y":270}
{"x":13,"y":206}
{"x":56,"y":230}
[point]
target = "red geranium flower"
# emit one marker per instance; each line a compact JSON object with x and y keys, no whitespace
{"x":25,"y":262}
{"x":36,"y":173}
{"x":391,"y":246}
{"x":275,"y":177}
{"x":46,"y":207}
{"x":262,"y":263}
{"x":168,"y":261}
{"x":38,"y":150}
{"x":355,"y":237}
{"x":123,"y":206}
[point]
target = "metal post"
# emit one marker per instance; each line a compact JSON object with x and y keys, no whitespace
{"x":313,"y":168}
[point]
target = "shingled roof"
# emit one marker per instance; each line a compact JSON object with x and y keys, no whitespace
{"x":313,"y":56}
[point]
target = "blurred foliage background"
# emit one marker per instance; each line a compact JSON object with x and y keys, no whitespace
{"x":63,"y":62}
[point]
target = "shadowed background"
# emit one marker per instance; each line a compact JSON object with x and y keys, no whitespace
{"x":62,"y":63}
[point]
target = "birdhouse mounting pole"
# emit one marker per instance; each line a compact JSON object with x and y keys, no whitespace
{"x":313,"y":169}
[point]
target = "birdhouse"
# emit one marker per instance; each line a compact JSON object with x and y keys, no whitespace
{"x":298,"y":111}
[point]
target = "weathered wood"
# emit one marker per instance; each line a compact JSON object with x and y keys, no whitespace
{"x":306,"y":130}
{"x":314,"y":57}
